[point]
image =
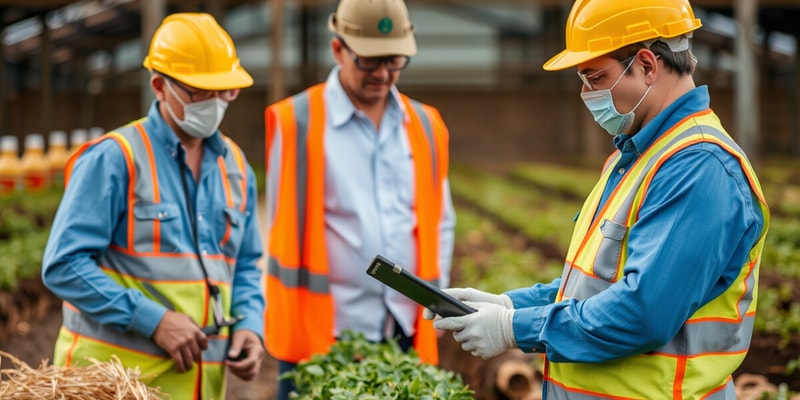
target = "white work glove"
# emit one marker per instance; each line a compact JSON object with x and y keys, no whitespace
{"x":470,"y":294}
{"x":484,"y":333}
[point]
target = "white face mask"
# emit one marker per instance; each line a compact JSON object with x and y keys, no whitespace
{"x":601,"y":104}
{"x":200,"y":119}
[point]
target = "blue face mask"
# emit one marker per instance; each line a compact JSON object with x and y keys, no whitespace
{"x":601,"y":104}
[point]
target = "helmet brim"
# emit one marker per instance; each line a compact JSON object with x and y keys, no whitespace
{"x":235,"y":79}
{"x":567,"y":59}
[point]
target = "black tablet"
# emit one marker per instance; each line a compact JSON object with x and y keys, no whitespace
{"x":427,"y":295}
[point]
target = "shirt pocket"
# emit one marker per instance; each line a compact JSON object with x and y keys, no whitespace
{"x":158,"y":220}
{"x":233,"y":223}
{"x":610,"y":252}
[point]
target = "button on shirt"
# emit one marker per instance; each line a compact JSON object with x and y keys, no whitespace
{"x":88,"y":221}
{"x":369,"y":210}
{"x":694,"y":232}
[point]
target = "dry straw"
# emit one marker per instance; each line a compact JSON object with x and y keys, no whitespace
{"x":98,"y":381}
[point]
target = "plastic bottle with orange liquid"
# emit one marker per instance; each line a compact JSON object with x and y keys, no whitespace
{"x":57,"y":157}
{"x":77,"y":137}
{"x":35,"y":168}
{"x":10,"y":168}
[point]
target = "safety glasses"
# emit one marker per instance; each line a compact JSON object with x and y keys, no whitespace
{"x":592,"y":79}
{"x":369,"y":64}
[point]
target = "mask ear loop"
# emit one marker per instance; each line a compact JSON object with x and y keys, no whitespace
{"x":624,"y":71}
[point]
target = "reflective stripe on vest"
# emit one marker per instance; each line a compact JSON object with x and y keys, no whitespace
{"x":297,"y":273}
{"x":698,"y":361}
{"x":169,"y":278}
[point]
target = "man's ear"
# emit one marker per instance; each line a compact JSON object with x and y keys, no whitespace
{"x":336,"y":49}
{"x":649,"y":63}
{"x":157,"y":84}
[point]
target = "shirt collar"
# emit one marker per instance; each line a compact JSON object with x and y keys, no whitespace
{"x":341,"y":108}
{"x":693,"y":101}
{"x":163,"y":134}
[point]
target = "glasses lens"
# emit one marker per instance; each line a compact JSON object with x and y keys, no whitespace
{"x":585,"y":80}
{"x":368,"y":63}
{"x":397,"y":63}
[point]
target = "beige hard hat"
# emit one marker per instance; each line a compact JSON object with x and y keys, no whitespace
{"x":374,"y":27}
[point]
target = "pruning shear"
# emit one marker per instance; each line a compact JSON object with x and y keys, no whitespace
{"x":220,"y":321}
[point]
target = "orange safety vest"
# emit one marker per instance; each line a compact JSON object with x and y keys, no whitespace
{"x":172,"y":279}
{"x":300,"y":311}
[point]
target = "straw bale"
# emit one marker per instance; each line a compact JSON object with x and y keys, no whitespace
{"x":98,"y":381}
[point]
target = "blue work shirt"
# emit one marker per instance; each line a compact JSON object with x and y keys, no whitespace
{"x":87,"y":222}
{"x":369,"y":210}
{"x":694,"y":232}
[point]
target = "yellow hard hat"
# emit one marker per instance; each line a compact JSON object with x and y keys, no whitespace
{"x":194,"y":49}
{"x":598,"y":27}
{"x":374,"y":27}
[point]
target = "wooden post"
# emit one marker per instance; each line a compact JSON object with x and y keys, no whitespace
{"x":153,"y":11}
{"x":46,"y":79}
{"x":794,"y":95}
{"x":276,"y":82}
{"x":747,"y":104}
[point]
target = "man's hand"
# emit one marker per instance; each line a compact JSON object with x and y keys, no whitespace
{"x":180,"y":336}
{"x":470,"y":294}
{"x":484,"y":333}
{"x":245,"y":354}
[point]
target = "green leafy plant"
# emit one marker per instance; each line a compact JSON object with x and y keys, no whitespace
{"x":25,"y":220}
{"x":358,"y":369}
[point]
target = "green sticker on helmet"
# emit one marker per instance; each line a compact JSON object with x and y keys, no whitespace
{"x":385,"y":25}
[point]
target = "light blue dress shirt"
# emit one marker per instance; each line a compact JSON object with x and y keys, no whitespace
{"x":369,"y":210}
{"x":694,"y":232}
{"x":87,"y":222}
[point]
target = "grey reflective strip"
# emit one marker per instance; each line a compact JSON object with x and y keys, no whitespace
{"x":144,"y":191}
{"x":298,"y":277}
{"x":706,"y":337}
{"x":85,"y":326}
{"x":165,"y":268}
{"x":555,"y":392}
{"x":747,"y":297}
{"x":581,"y":286}
{"x":428,"y":128}
{"x":301,"y":116}
{"x":238,"y":190}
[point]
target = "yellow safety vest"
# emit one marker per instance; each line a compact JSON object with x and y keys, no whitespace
{"x":170,"y":278}
{"x":698,"y":361}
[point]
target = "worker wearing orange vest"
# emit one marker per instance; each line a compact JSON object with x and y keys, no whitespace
{"x":658,"y":294}
{"x":155,"y":242}
{"x":355,"y":169}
